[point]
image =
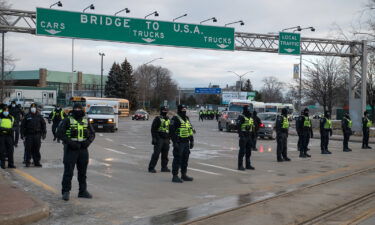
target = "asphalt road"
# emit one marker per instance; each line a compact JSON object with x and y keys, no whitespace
{"x":124,"y":192}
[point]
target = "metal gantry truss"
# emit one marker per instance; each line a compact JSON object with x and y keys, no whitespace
{"x":24,"y":22}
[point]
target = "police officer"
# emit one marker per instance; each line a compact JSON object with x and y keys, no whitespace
{"x":201,"y":114}
{"x":257,"y":123}
{"x":181,"y":132}
{"x":33,"y":129}
{"x":282,"y":128}
{"x":299,"y":132}
{"x":6,"y":138}
{"x":17,"y":113}
{"x":160,"y":140}
{"x":346,"y":125}
{"x":245,"y":127}
{"x":306,"y":132}
{"x":77,"y":134}
{"x":57,"y":115}
{"x":325,"y":132}
{"x":366,"y":124}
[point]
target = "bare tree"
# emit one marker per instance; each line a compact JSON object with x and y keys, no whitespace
{"x":272,"y":90}
{"x":324,"y":80}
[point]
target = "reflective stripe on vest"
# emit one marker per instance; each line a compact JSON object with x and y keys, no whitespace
{"x":369,"y":123}
{"x":164,"y":126}
{"x":77,"y":131}
{"x":248,"y":125}
{"x":328,"y":124}
{"x":185,"y":130}
{"x":61,"y":114}
{"x":307,"y":122}
{"x":350,"y":123}
{"x":285,"y":123}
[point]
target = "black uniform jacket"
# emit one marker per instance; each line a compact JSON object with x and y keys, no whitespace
{"x":33,"y":123}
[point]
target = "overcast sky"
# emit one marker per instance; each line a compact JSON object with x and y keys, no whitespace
{"x":190,"y":67}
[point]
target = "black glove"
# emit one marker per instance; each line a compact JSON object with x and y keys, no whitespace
{"x":154,"y":141}
{"x":85,"y":144}
{"x":22,"y":137}
{"x":44,"y":136}
{"x":49,"y":121}
{"x":74,"y":145}
{"x":191,"y":144}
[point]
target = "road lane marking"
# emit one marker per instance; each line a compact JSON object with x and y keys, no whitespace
{"x":112,"y":150}
{"x":220,"y":167}
{"x":128,"y":146}
{"x":204,"y":171}
{"x":108,"y":139}
{"x":36,"y":181}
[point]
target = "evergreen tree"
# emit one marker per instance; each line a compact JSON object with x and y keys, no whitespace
{"x":112,"y":85}
{"x":248,"y":86}
{"x":127,"y":88}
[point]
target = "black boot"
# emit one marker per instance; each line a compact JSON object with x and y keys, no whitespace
{"x":84,"y":194}
{"x":166,"y":169}
{"x":65,"y":196}
{"x":185,"y":177}
{"x":368,"y":147}
{"x":37,"y":164}
{"x":2,"y":165}
{"x":279,"y":159}
{"x":307,"y":155}
{"x":364,"y":147}
{"x":176,"y":179}
{"x":287,"y":159}
{"x":152,"y":170}
{"x":328,"y":152}
{"x":241,"y":168}
{"x":301,"y":154}
{"x":249,"y":167}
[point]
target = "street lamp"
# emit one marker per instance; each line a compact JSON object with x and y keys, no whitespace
{"x":212,"y":18}
{"x":101,"y":74}
{"x":369,"y":34}
{"x":240,"y":22}
{"x":92,"y":7}
{"x":59,"y":4}
{"x":144,"y":90}
{"x":153,"y":13}
{"x":126,"y":11}
{"x":291,"y":28}
{"x":240,"y":77}
{"x":300,"y":65}
{"x":179,"y":17}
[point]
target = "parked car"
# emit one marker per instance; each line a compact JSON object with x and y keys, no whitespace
{"x":228,"y":120}
{"x":295,"y":115}
{"x":268,"y":125}
{"x":318,"y":115}
{"x":46,"y":111}
{"x":140,"y":115}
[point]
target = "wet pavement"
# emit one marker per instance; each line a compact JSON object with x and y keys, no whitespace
{"x":125,"y":193}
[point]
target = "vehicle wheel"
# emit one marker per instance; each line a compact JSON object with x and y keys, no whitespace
{"x":219,"y":127}
{"x":112,"y":130}
{"x":262,"y":137}
{"x":227,"y":129}
{"x":132,"y":118}
{"x":273,"y":135}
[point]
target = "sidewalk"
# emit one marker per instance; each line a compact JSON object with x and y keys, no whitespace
{"x":17,"y":206}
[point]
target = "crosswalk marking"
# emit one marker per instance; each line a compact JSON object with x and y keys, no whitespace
{"x":220,"y":167}
{"x":128,"y":146}
{"x":204,"y":171}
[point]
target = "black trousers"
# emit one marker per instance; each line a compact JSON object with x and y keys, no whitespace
{"x":324,"y":140}
{"x":282,"y":145}
{"x":16,"y":133}
{"x":180,"y":158}
{"x":245,"y":144}
{"x":366,"y":136}
{"x":254,"y":140}
{"x":161,"y":147}
{"x":201,"y":117}
{"x":299,"y":143}
{"x":55,"y":124}
{"x":6,"y":149}
{"x":305,"y":140}
{"x":346,"y":140}
{"x":32,"y":148}
{"x":71,"y":158}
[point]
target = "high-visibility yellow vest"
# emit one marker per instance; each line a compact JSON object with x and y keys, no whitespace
{"x":61,"y":114}
{"x":285,"y":124}
{"x":185,"y":130}
{"x":248,"y":125}
{"x":328,"y":124}
{"x":350,"y":123}
{"x":78,"y":131}
{"x":369,"y":123}
{"x":164,"y":126}
{"x":7,"y":123}
{"x":307,"y":122}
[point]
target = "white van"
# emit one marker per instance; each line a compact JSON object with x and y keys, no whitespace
{"x":103,"y":115}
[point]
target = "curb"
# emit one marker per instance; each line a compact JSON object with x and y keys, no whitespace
{"x":39,"y":211}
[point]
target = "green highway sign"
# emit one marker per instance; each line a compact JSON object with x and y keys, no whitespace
{"x":289,"y":43}
{"x":59,"y":23}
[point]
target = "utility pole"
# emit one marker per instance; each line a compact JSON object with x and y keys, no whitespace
{"x":2,"y":65}
{"x":101,"y":75}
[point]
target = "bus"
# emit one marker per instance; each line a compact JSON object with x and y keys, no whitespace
{"x":259,"y":107}
{"x":237,"y":105}
{"x":85,"y":102}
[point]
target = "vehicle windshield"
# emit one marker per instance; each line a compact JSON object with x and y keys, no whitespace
{"x":102,"y":110}
{"x":233,"y":115}
{"x":267,"y":116}
{"x":140,"y":112}
{"x":238,"y":107}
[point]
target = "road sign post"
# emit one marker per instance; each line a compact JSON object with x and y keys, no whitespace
{"x":59,"y":23}
{"x":289,"y":43}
